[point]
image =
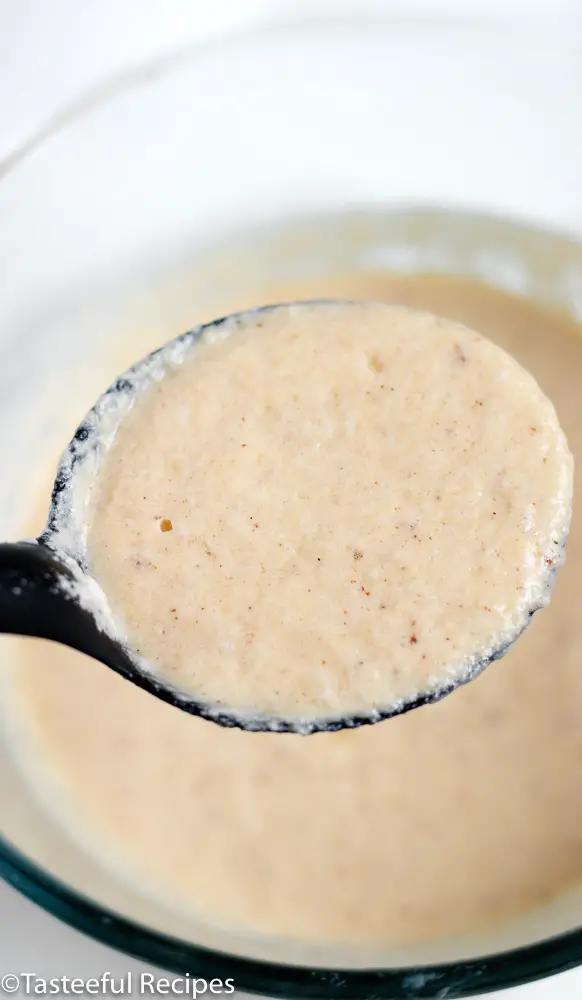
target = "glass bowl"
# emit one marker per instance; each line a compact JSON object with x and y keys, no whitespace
{"x":309,"y":150}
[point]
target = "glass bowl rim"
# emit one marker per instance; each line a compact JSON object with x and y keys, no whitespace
{"x":492,"y":972}
{"x":276,"y":979}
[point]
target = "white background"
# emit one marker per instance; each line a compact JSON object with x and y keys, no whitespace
{"x":51,"y":53}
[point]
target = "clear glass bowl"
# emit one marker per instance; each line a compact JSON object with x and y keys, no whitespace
{"x":296,"y":150}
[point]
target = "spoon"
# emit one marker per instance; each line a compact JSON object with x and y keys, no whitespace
{"x":46,"y":590}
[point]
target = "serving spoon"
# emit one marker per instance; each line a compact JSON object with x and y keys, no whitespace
{"x":46,"y":590}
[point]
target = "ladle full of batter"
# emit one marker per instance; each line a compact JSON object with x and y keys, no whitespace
{"x":301,"y":518}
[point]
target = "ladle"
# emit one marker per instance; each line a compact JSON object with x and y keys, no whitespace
{"x":47,"y":592}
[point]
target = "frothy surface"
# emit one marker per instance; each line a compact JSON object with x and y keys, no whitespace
{"x":326,"y":509}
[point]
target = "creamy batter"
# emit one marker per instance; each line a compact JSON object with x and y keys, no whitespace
{"x":455,"y":817}
{"x":329,"y":508}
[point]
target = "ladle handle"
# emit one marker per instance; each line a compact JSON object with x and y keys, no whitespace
{"x":35,"y":601}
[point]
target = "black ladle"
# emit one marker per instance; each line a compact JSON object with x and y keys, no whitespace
{"x":45,"y":588}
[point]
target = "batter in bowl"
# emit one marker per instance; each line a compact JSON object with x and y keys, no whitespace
{"x":454,"y":818}
{"x":329,"y":508}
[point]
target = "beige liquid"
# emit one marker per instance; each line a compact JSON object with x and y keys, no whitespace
{"x":454,"y":817}
{"x":326,"y":510}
